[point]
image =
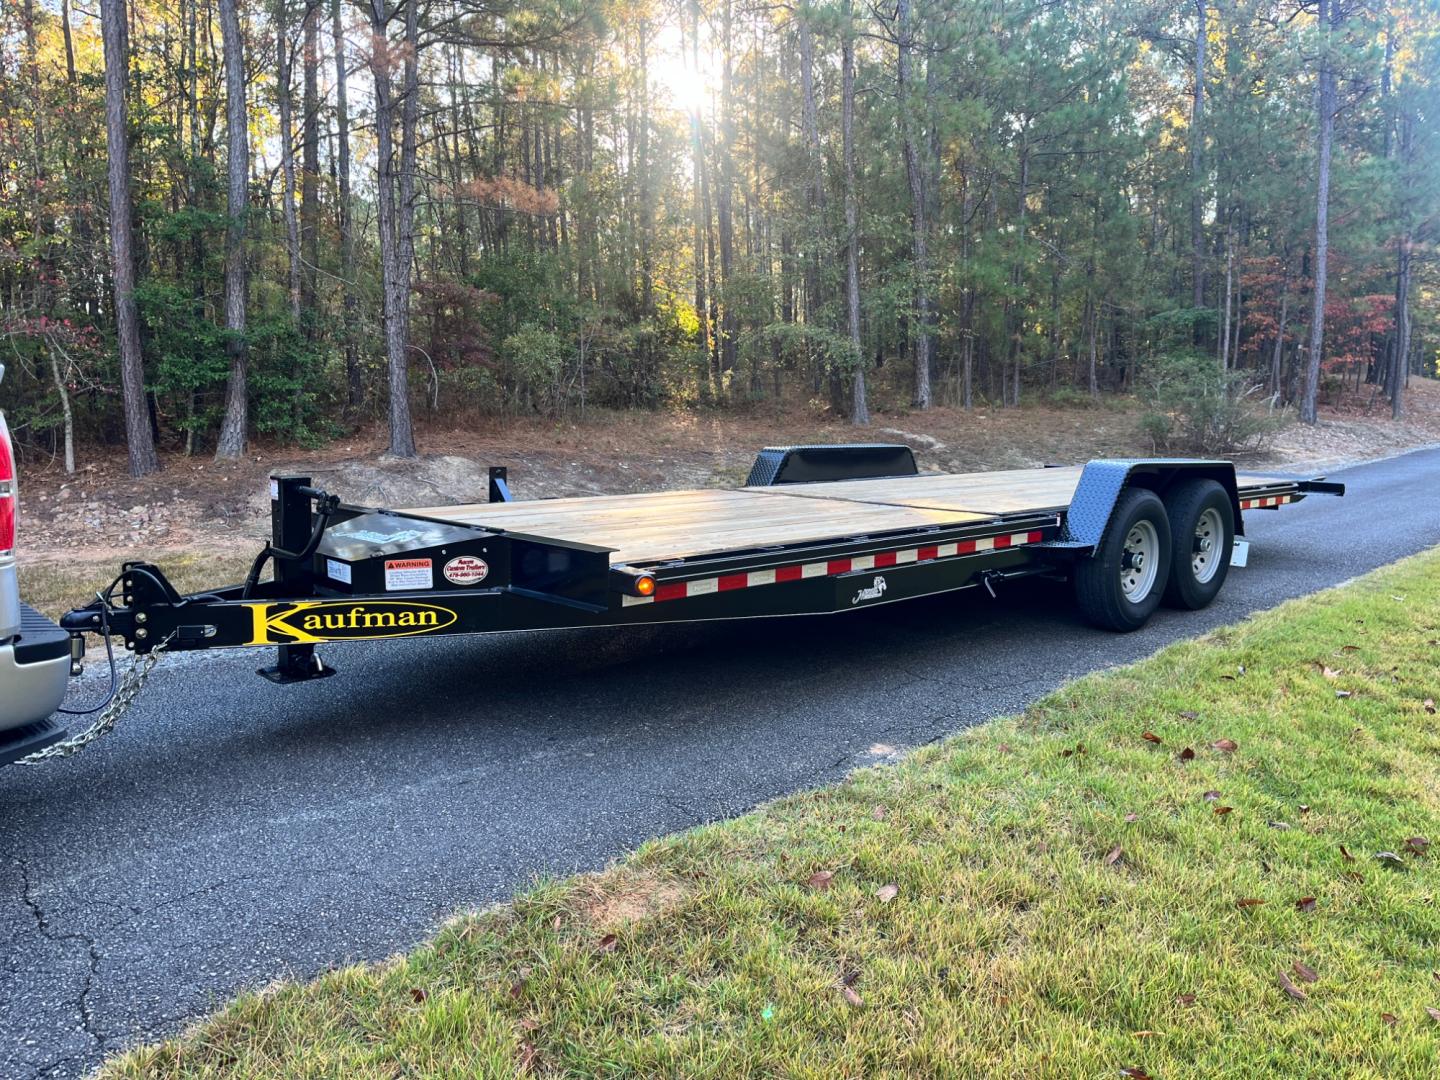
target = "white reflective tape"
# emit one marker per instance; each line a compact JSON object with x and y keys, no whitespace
{"x":908,"y":555}
{"x":703,"y":586}
{"x":985,"y":545}
{"x":1019,"y":538}
{"x":945,"y":549}
{"x":863,"y":562}
{"x":761,"y":577}
{"x":814,"y":569}
{"x":631,"y":601}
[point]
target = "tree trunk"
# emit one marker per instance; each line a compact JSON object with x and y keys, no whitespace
{"x":140,"y":443}
{"x":356,"y":389}
{"x":402,"y":255}
{"x":859,"y":408}
{"x":233,"y":428}
{"x":1197,"y":163}
{"x":700,"y":220}
{"x":918,"y":227}
{"x":1308,"y":406}
{"x":287,"y":154}
{"x":1400,"y":366}
{"x":723,"y":200}
{"x":310,"y":161}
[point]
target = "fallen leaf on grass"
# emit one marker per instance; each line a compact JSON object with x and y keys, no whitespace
{"x":1186,"y":755}
{"x":1434,"y":1013}
{"x":1226,"y":746}
{"x":1304,"y":808}
{"x":886,"y":893}
{"x":1145,"y":1033}
{"x":607,"y":943}
{"x":1291,"y":989}
{"x":1248,"y":902}
{"x":1390,"y":1018}
{"x":1132,"y":817}
{"x":529,"y":1024}
{"x":517,"y":988}
{"x":1115,"y":855}
{"x":1185,"y":1000}
{"x":1305,"y":971}
{"x":1418,"y":844}
{"x":1305,"y":903}
{"x":1135,"y":1072}
{"x":1328,"y":671}
{"x":1435,"y":975}
{"x":878,"y":813}
{"x":1430,"y":705}
{"x":1079,"y":749}
{"x":1210,"y":796}
{"x":1004,"y":748}
{"x":1348,"y":857}
{"x":1150,"y":736}
{"x":1189,"y":714}
{"x":418,"y":995}
{"x":1343,"y":693}
{"x":820,"y":879}
{"x":1223,"y":810}
{"x":1281,"y":825}
{"x":851,"y":996}
{"x":1349,"y":648}
{"x":1390,"y":859}
{"x":529,"y":1057}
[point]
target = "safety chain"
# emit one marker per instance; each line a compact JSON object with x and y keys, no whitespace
{"x":129,"y":689}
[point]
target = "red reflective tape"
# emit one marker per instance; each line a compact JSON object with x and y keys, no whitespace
{"x":1034,"y":537}
{"x":885,"y":558}
{"x":733,"y":581}
{"x":789,"y":573}
{"x":927,"y":553}
{"x":838,"y":566}
{"x":1002,"y":541}
{"x":673,"y":590}
{"x":965,"y":547}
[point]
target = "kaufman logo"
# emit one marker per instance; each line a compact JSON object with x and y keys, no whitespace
{"x":309,"y":621}
{"x":874,"y":592}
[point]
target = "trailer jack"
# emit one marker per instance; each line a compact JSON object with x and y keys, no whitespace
{"x":296,"y":664}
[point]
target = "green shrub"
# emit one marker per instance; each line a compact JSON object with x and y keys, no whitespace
{"x":1195,"y":406}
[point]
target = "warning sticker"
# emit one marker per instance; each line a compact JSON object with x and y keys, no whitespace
{"x":408,"y":574}
{"x":337,"y":571}
{"x":466,"y":570}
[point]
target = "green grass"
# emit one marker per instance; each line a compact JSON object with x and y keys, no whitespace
{"x":1018,"y":942}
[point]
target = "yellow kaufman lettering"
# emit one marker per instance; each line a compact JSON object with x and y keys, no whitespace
{"x":306,"y":622}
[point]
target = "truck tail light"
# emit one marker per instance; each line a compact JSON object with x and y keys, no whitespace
{"x":8,"y":494}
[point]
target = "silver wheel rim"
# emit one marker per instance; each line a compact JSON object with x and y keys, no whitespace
{"x":1139,"y":561}
{"x":1209,"y":546}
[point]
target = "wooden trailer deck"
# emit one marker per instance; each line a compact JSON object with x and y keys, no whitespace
{"x":660,"y":526}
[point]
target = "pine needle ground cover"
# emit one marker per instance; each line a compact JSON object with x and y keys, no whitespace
{"x":1213,"y":863}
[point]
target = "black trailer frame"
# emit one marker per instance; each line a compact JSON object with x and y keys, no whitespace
{"x":327,"y":555}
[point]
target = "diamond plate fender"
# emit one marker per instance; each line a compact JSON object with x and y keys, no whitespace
{"x":1104,"y":480}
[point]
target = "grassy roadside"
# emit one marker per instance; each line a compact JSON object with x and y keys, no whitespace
{"x":1169,"y":869}
{"x":56,"y":587}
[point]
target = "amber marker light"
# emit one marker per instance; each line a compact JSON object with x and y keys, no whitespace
{"x":644,"y":585}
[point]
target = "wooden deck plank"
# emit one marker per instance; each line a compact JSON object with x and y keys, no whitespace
{"x":658,"y":526}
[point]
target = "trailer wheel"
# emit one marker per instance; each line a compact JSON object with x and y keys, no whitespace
{"x":1202,"y":522}
{"x":1119,"y":587}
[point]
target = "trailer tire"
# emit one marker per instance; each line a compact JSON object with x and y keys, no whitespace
{"x":1115,"y":589}
{"x":1202,"y":525}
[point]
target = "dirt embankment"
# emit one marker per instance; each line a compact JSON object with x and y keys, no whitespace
{"x":194,"y":505}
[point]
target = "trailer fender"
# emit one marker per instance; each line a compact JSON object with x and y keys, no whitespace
{"x":843,"y":461}
{"x":1104,"y":480}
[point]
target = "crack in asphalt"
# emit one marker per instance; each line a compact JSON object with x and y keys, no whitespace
{"x":43,"y":927}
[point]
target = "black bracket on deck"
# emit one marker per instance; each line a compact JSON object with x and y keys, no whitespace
{"x":500,"y":484}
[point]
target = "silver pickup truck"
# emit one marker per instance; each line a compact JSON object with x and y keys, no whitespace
{"x":34,"y":652}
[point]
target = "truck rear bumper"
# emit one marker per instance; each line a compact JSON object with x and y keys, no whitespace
{"x":34,"y":671}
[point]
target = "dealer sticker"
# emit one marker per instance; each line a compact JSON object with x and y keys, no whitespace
{"x":466,"y":570}
{"x":337,"y":570}
{"x":408,"y":574}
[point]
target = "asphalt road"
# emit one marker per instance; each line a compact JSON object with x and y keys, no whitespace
{"x":231,"y":832}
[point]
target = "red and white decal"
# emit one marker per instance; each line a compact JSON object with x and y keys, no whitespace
{"x":678,"y":590}
{"x":401,"y":574}
{"x":1268,"y":500}
{"x":466,"y":570}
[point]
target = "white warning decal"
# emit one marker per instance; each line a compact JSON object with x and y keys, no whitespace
{"x":337,"y":571}
{"x":409,"y":574}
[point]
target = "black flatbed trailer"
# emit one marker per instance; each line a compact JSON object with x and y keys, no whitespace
{"x":816,"y":530}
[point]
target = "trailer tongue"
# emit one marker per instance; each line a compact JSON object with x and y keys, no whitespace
{"x":817,"y":530}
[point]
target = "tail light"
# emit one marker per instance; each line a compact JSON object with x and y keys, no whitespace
{"x":8,"y":495}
